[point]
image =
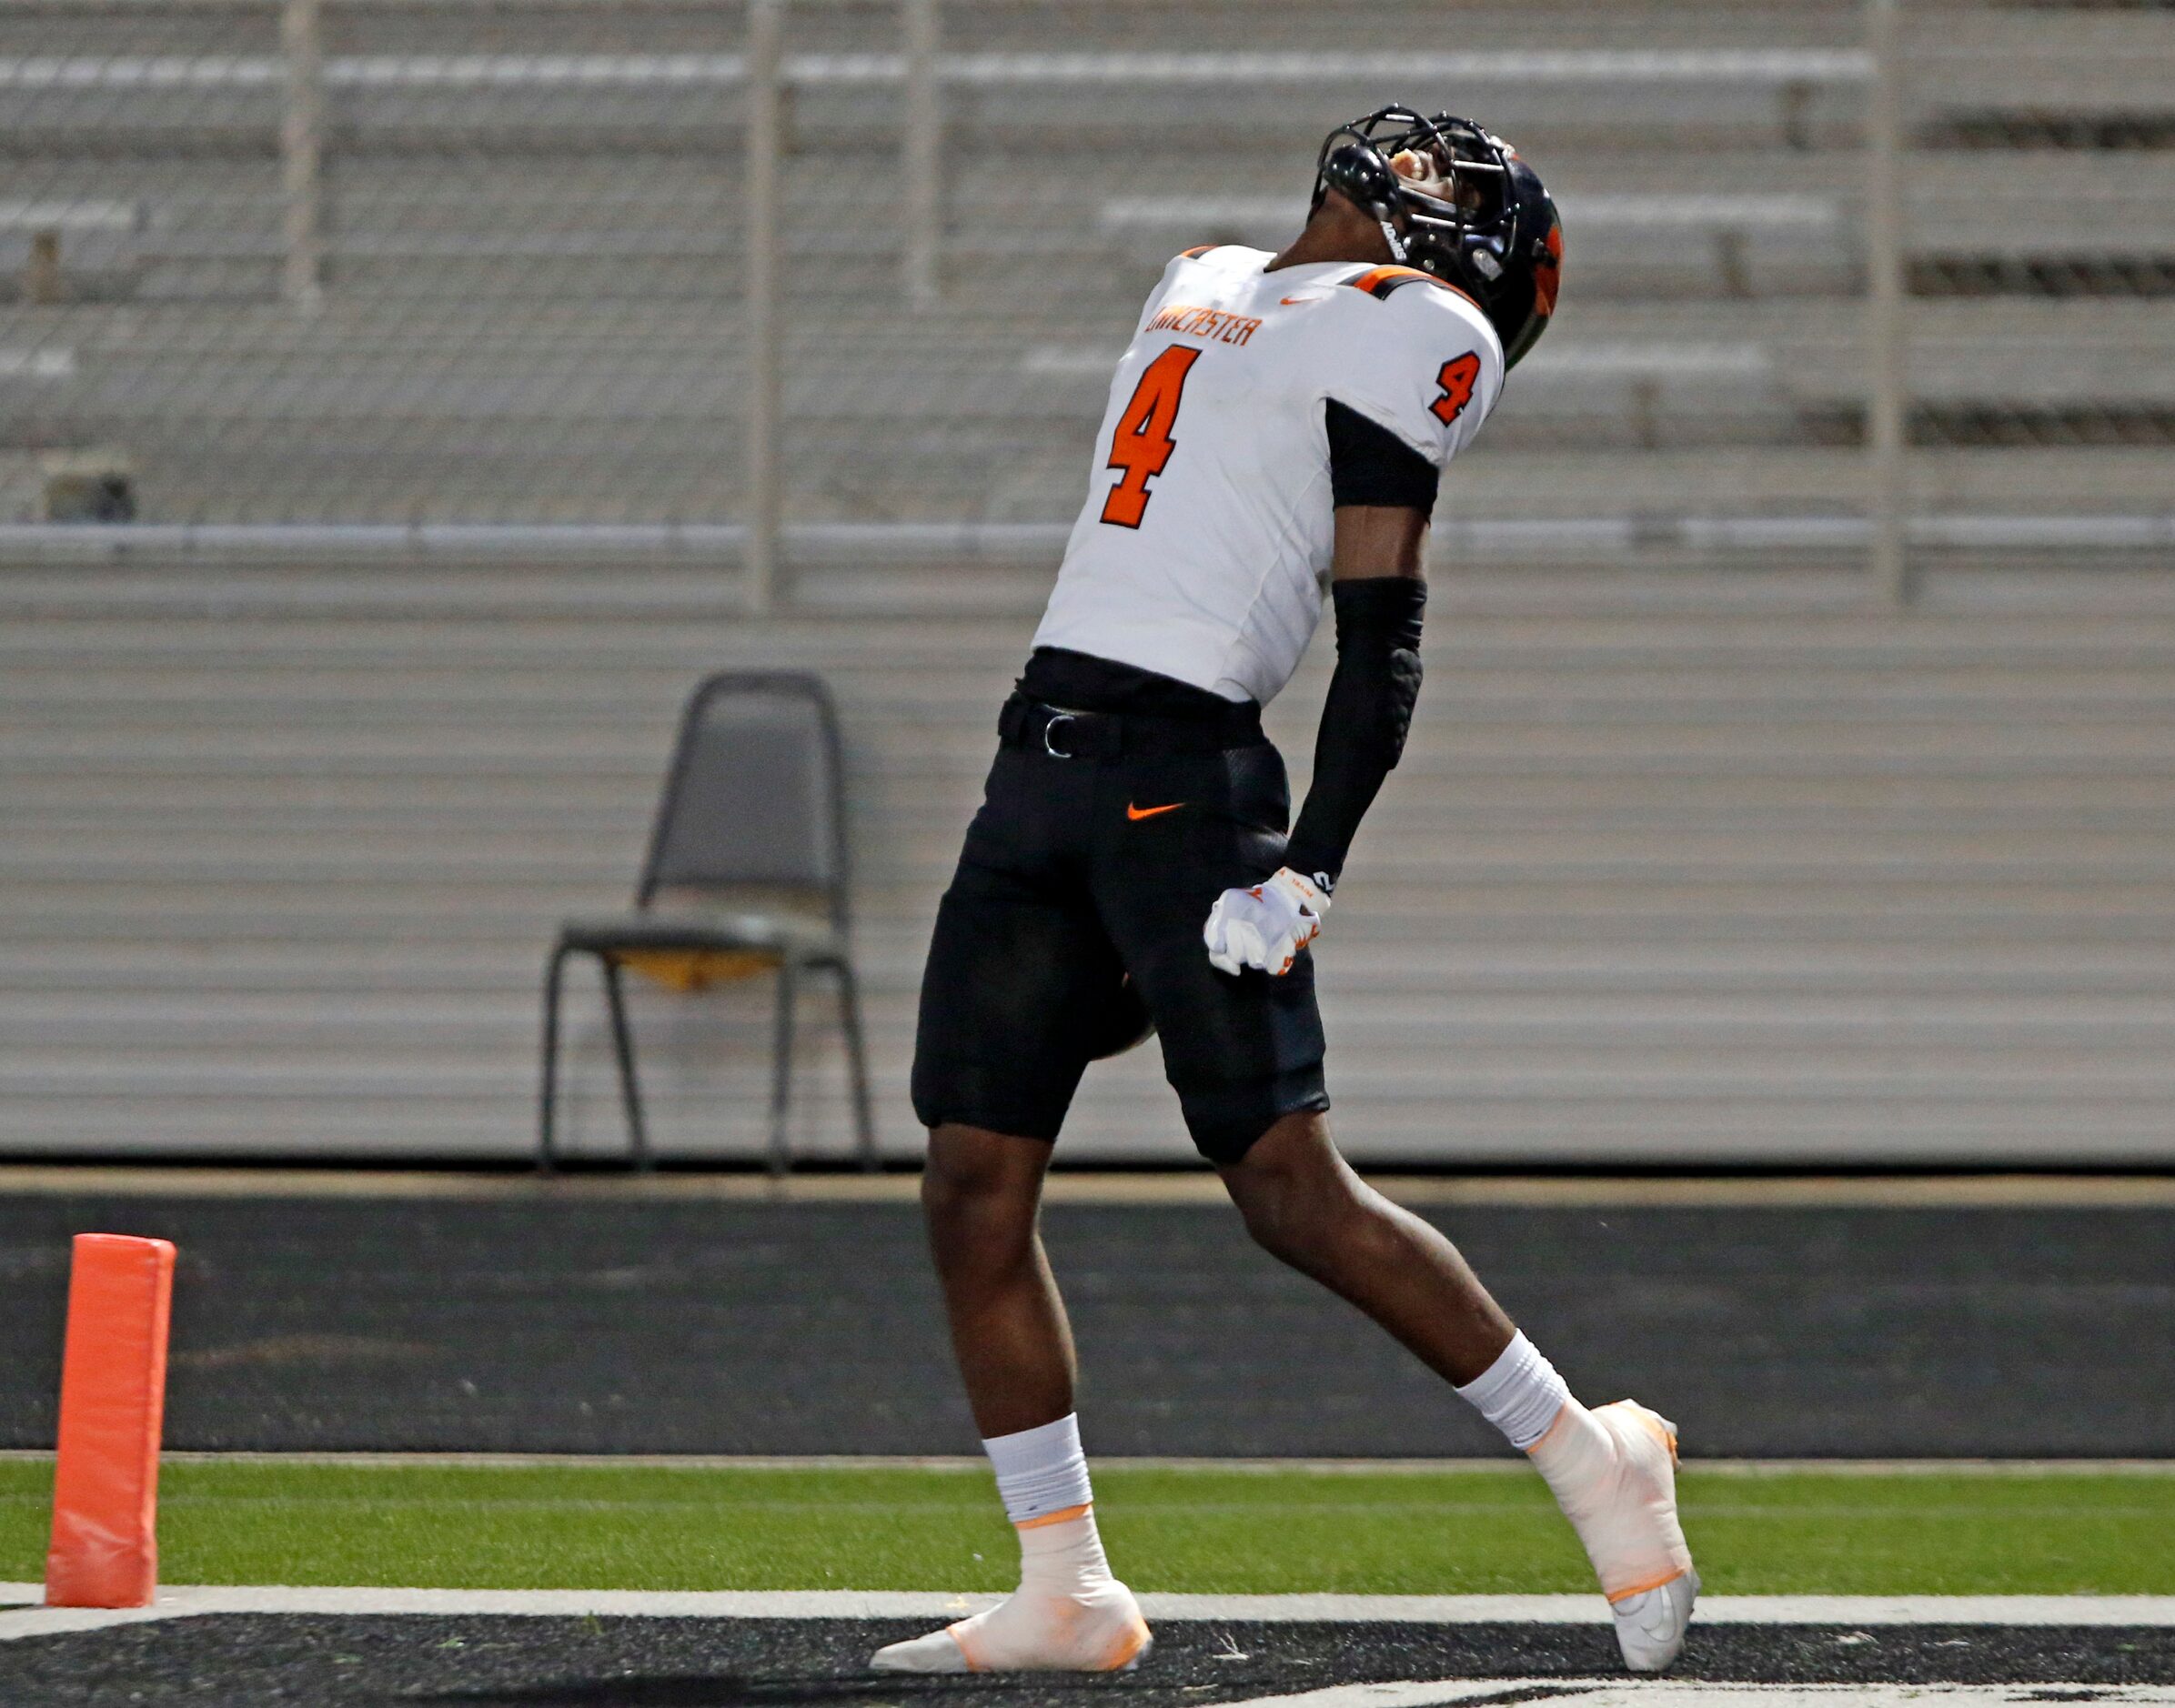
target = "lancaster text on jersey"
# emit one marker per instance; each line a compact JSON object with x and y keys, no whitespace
{"x":1193,"y":321}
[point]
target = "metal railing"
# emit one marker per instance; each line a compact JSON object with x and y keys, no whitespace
{"x":762,"y":76}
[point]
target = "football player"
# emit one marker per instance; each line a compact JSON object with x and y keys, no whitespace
{"x":1277,"y":426}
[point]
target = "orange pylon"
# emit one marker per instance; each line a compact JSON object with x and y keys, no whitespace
{"x":113,"y":1397}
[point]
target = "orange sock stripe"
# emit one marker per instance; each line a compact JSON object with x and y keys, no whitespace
{"x":1058,"y":1517}
{"x":1640,"y":1588}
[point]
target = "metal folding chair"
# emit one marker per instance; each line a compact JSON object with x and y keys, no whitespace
{"x":753,"y":805}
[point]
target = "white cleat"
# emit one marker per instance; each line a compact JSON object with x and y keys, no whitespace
{"x":1650,"y":1625}
{"x":1614,"y":1472}
{"x":1100,"y":1632}
{"x":936,"y":1653}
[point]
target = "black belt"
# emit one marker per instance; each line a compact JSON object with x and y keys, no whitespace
{"x":1084,"y":735}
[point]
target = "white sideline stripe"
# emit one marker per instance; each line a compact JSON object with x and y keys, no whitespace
{"x":1506,"y":1464}
{"x":1620,"y":1692}
{"x":184,"y":1602}
{"x":57,"y":1622}
{"x":1400,"y":1694}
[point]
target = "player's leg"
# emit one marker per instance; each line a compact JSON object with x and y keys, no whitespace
{"x":1016,"y":965}
{"x":981,"y":1194}
{"x":1612,"y":1469}
{"x":1244,"y":1055}
{"x":1302,"y":1203}
{"x":982,"y":1199}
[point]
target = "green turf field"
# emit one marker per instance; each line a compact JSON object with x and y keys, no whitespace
{"x":1235,"y":1530}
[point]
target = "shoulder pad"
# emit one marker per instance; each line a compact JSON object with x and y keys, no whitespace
{"x":1381,"y":281}
{"x":1198,"y":250}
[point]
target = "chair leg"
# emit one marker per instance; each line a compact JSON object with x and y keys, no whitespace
{"x":782,"y":1065}
{"x":857,"y":1066}
{"x":622,"y":1043}
{"x":547,"y":1159}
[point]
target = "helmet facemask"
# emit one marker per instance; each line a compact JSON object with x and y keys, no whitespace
{"x":1456,"y":201}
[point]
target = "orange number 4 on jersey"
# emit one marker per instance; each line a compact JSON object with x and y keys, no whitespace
{"x":1143,"y":444}
{"x":1456,"y":379}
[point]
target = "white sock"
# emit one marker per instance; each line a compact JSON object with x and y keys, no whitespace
{"x":1068,"y":1614}
{"x":1520,"y":1393}
{"x":1041,"y":1472}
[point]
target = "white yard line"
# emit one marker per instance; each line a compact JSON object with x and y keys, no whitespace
{"x":190,"y":1601}
{"x":1720,"y":1609}
{"x":1400,"y":1694}
{"x":53,"y":1622}
{"x":1601,"y":1692}
{"x":182,"y":1600}
{"x":1506,"y":1464}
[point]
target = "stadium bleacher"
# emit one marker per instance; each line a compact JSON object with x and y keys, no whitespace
{"x":531,"y":232}
{"x":1695,"y":858}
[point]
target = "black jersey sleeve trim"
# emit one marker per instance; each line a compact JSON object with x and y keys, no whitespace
{"x":1368,"y":464}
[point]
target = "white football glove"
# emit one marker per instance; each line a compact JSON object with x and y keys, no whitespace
{"x":1264,"y":927}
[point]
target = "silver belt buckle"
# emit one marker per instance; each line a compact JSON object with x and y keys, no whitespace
{"x":1048,"y":728}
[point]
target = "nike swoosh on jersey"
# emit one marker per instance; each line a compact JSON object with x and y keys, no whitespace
{"x":1137,"y":813}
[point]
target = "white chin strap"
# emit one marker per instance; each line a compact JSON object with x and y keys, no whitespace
{"x":1389,"y":232}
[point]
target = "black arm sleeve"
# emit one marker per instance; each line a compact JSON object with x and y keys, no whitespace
{"x":1368,"y":464}
{"x":1365,"y":719}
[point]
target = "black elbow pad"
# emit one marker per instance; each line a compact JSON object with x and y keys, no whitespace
{"x":1404,"y":693}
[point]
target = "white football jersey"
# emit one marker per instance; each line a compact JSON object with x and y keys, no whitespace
{"x":1202,"y":552}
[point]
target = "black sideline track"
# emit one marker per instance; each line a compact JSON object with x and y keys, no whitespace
{"x":620,"y":1662}
{"x":597,"y":1323}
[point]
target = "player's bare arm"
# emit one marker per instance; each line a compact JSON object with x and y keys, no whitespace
{"x":1378,"y":590}
{"x":1275,"y":432}
{"x":1379,"y":539}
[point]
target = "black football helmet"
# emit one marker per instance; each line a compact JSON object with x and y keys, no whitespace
{"x":1496,"y":236}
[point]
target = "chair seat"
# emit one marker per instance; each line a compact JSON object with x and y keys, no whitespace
{"x":782,"y":935}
